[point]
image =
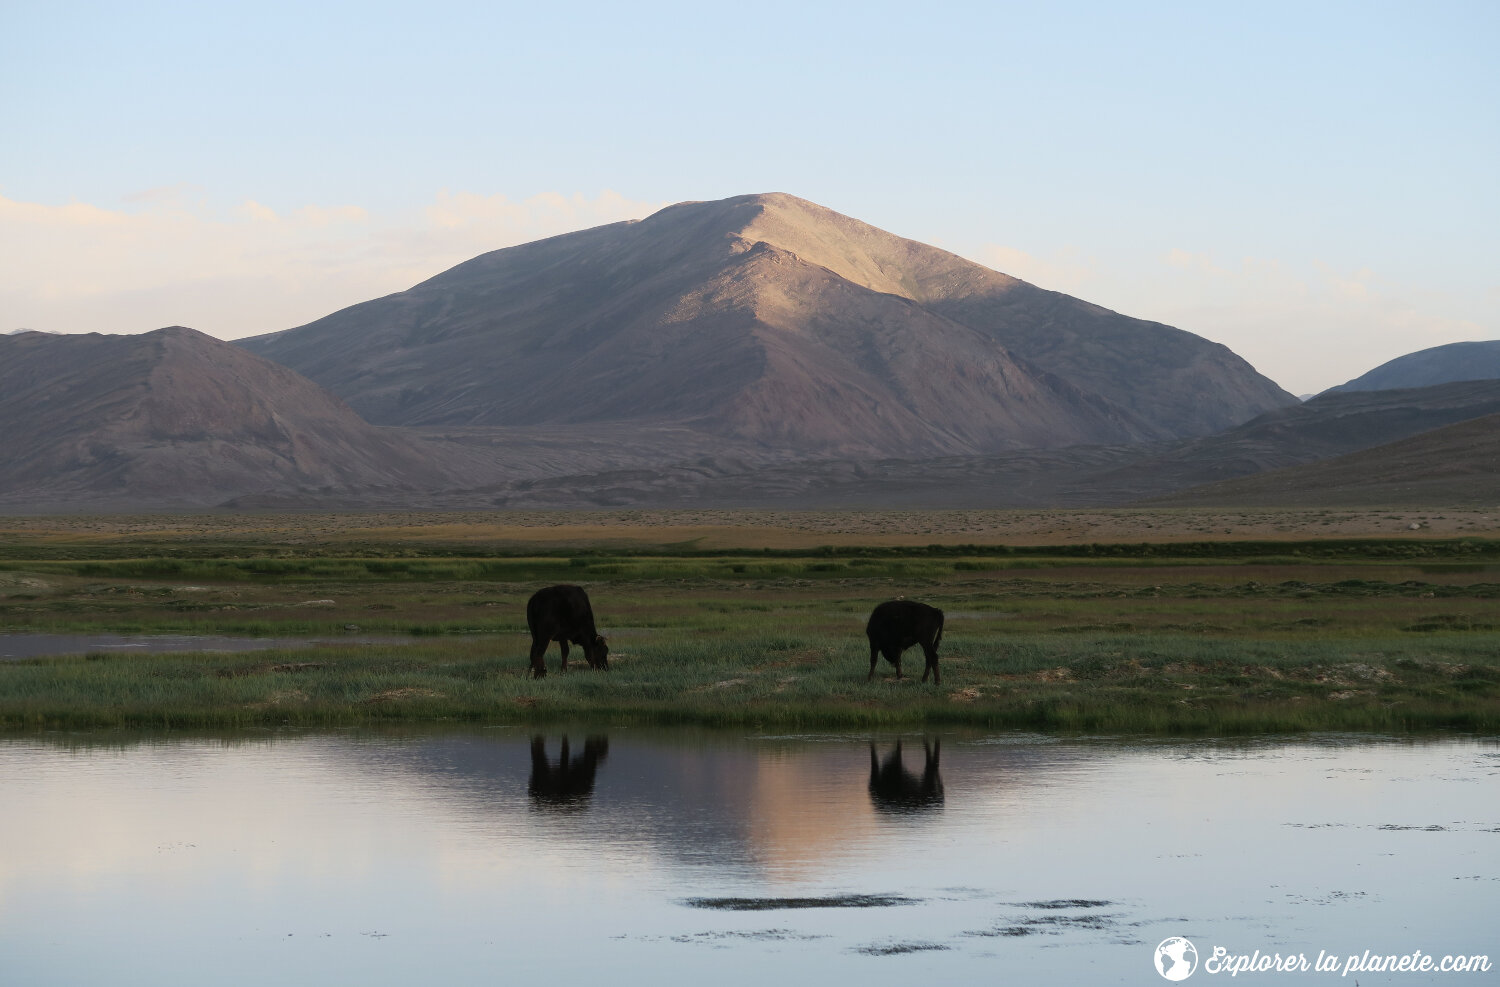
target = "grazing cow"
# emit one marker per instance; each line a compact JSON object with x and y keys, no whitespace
{"x":898,"y":624}
{"x":895,"y":789}
{"x":563,"y":614}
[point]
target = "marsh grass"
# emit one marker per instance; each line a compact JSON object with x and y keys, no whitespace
{"x":1402,"y":637}
{"x":1140,"y":683}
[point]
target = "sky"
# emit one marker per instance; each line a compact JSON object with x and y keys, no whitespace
{"x":1312,"y":184}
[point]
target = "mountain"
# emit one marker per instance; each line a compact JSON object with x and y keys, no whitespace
{"x":1328,"y":426}
{"x":772,"y":323}
{"x":1077,"y":476}
{"x":1436,"y":365}
{"x":1452,"y":466}
{"x":178,"y":418}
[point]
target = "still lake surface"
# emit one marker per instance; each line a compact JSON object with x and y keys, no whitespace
{"x":643,"y":856}
{"x":26,"y":644}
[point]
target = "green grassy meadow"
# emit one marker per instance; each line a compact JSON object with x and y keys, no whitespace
{"x":1232,"y":637}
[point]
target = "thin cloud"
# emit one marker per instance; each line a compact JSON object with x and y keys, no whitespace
{"x":1306,"y":327}
{"x":1065,"y":270}
{"x":165,"y":194}
{"x":80,"y":267}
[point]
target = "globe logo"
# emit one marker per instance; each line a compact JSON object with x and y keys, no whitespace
{"x":1176,"y":958}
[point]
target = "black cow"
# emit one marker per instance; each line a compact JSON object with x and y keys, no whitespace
{"x":898,"y":624}
{"x":563,"y":614}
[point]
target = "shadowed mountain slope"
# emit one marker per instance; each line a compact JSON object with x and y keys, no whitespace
{"x":1452,"y":466}
{"x":1436,"y":365}
{"x":769,"y":320}
{"x":1078,"y":476}
{"x":175,"y":417}
{"x":1329,"y":425}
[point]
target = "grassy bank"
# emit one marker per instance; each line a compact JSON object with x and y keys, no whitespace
{"x":1231,"y":637}
{"x":1130,"y":683}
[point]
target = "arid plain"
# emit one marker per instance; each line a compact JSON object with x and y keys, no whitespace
{"x":755,"y":529}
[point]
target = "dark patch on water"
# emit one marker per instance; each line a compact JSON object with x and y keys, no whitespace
{"x":898,"y":948}
{"x":1053,"y":925}
{"x":1065,"y":903}
{"x":826,"y":901}
{"x":1331,"y":825}
{"x":1332,"y":898}
{"x":754,"y":935}
{"x":1434,"y":828}
{"x":1004,"y":930}
{"x":1071,"y":921}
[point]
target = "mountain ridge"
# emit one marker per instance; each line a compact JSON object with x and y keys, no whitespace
{"x":770,"y":319}
{"x":175,"y":416}
{"x":1456,"y":465}
{"x":1449,"y":363}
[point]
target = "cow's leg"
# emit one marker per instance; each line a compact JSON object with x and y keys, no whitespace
{"x":930,"y":653}
{"x":874,"y":657}
{"x":538,"y":657}
{"x":563,"y":644}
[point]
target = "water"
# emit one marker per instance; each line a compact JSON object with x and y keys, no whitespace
{"x":489,"y":857}
{"x":29,"y":645}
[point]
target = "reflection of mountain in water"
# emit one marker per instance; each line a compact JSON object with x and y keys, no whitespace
{"x":895,"y":789}
{"x":569,"y":784}
{"x":780,"y":809}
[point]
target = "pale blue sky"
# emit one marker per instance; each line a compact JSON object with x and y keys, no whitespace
{"x":1310,"y":184}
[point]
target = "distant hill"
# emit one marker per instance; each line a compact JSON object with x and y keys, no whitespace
{"x":1437,"y":365}
{"x":1453,"y":466}
{"x":175,"y":417}
{"x":772,"y":323}
{"x":1078,"y":476}
{"x":1327,"y":426}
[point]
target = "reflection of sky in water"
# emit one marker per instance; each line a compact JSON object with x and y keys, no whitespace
{"x":344,"y":858}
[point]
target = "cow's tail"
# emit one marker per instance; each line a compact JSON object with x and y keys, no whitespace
{"x":938,"y":637}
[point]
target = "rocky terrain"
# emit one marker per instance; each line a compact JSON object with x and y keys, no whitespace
{"x":1457,"y":465}
{"x":177,"y":418}
{"x":769,"y":321}
{"x":1079,"y":476}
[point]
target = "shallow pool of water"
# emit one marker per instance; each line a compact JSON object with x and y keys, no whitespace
{"x":649,"y":857}
{"x":27,"y":645}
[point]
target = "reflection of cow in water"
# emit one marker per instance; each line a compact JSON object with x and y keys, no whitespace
{"x":895,"y":789}
{"x":569,"y":784}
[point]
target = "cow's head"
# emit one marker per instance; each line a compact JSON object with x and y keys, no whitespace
{"x":597,"y":653}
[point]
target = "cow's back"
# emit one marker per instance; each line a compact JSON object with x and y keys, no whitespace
{"x":903,"y":620}
{"x":561,"y":607}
